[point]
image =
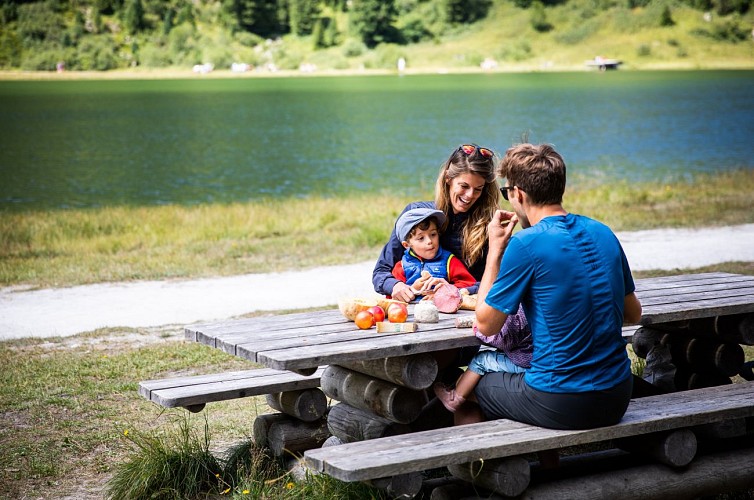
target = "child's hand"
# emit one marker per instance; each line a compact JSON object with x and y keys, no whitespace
{"x":431,"y":284}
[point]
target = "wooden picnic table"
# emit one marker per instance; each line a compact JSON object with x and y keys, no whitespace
{"x":375,"y":406}
{"x":304,"y":341}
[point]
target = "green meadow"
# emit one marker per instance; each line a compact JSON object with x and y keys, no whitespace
{"x":73,"y":247}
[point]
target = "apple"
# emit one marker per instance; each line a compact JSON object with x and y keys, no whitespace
{"x":364,"y":320}
{"x":378,"y":313}
{"x":397,"y":313}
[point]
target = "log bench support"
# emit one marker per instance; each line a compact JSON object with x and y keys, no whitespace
{"x":656,"y":426}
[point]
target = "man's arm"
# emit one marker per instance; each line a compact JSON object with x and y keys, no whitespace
{"x":488,"y":319}
{"x":631,"y":309}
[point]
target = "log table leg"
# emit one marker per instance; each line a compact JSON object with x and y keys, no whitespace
{"x":304,"y":404}
{"x":676,"y":448}
{"x":507,"y":476}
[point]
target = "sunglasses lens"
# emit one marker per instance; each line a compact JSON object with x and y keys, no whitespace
{"x":486,"y":152}
{"x":468,"y":148}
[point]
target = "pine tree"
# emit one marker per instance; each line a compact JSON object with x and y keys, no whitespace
{"x":134,"y":17}
{"x":372,"y":20}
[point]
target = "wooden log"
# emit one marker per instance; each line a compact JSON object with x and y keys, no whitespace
{"x":304,"y":404}
{"x":705,"y":354}
{"x":352,"y":424}
{"x":675,"y":448}
{"x":685,"y":379}
{"x":400,"y":486}
{"x":294,"y":436}
{"x":450,"y":488}
{"x":507,"y":476}
{"x":385,"y":399}
{"x":645,"y":338}
{"x":738,"y":328}
{"x":332,"y":441}
{"x":305,"y":372}
{"x":461,"y":490}
{"x":262,"y":424}
{"x":416,"y":372}
{"x":722,"y":430}
{"x":707,"y":475}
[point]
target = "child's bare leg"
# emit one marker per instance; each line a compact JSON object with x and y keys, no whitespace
{"x":453,"y":399}
{"x":467,"y":383}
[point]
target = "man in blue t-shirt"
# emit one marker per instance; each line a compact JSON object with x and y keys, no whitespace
{"x":572,"y":278}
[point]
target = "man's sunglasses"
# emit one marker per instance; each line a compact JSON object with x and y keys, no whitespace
{"x":504,"y":191}
{"x":470,"y":148}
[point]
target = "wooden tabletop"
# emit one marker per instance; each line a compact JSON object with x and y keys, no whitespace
{"x":306,"y":340}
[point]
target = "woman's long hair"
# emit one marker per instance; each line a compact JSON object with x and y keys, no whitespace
{"x":474,"y":232}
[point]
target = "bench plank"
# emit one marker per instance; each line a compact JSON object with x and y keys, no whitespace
{"x":419,"y":451}
{"x":200,"y":389}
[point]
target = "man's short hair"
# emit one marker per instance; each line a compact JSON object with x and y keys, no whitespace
{"x":536,"y":169}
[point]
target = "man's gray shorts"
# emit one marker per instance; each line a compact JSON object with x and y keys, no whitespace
{"x":506,"y":395}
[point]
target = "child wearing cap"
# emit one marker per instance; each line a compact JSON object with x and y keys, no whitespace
{"x":425,"y":264}
{"x":418,"y":230}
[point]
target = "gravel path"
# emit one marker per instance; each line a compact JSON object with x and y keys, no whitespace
{"x":68,"y":311}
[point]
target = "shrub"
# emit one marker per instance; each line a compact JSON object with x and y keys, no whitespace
{"x":353,"y":48}
{"x":643,"y":50}
{"x":96,"y":53}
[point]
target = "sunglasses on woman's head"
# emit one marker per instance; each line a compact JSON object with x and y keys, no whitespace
{"x":470,"y":148}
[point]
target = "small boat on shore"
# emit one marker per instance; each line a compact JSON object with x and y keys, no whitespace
{"x":603,"y":64}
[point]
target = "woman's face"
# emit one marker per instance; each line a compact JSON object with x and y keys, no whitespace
{"x":464,"y":190}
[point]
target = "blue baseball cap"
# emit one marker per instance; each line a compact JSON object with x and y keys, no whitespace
{"x":411,"y":218}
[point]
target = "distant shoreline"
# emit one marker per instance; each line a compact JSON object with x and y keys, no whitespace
{"x":179,"y":74}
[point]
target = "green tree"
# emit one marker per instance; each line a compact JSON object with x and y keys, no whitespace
{"x":666,"y":18}
{"x":372,"y":21}
{"x":538,"y":17}
{"x":133,"y":17}
{"x":302,"y":15}
{"x":262,"y":17}
{"x":466,"y":11}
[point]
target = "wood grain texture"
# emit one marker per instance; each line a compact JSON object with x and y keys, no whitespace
{"x":306,"y":340}
{"x":199,"y":389}
{"x":503,"y":438}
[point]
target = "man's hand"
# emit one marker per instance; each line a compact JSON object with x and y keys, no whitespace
{"x":402,"y":291}
{"x":500,"y":229}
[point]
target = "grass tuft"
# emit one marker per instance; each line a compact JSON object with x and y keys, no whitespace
{"x":168,"y":465}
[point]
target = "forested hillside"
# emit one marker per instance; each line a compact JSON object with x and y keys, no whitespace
{"x":314,"y":35}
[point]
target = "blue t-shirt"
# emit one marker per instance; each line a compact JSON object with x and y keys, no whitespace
{"x":571,"y":276}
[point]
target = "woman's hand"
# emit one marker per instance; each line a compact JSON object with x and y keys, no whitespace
{"x":402,"y":291}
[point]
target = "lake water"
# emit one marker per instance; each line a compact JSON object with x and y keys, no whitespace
{"x":93,"y":143}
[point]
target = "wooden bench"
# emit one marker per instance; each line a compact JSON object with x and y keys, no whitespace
{"x":499,"y":439}
{"x":194,"y":392}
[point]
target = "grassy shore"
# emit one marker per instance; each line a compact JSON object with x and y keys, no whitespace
{"x":72,"y":247}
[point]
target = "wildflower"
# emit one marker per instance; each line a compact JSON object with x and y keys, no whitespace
{"x":289,"y":486}
{"x":246,"y":492}
{"x":226,"y":490}
{"x":125,"y":432}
